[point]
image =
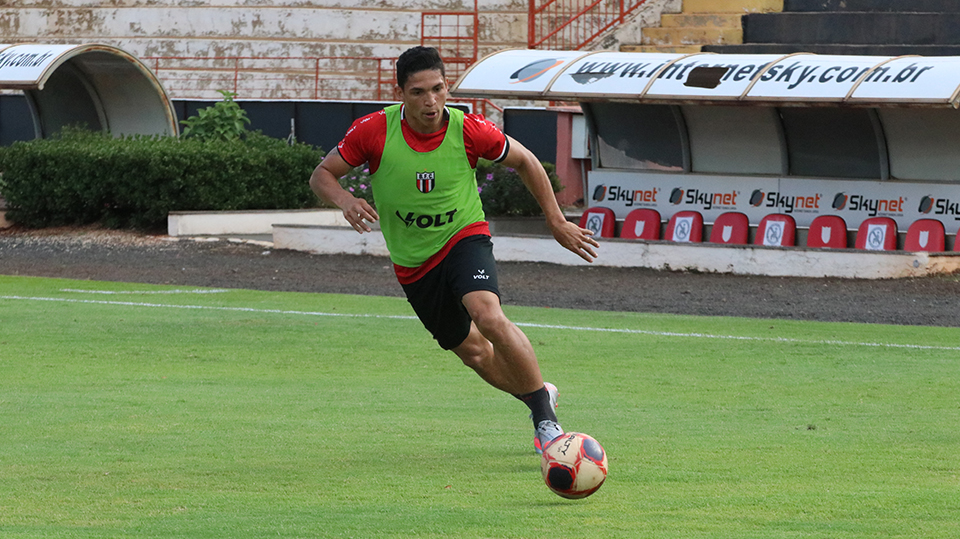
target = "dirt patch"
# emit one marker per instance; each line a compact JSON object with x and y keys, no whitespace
{"x":109,"y":255}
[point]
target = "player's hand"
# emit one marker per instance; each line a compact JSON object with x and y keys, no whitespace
{"x":358,"y":212}
{"x":575,"y":239}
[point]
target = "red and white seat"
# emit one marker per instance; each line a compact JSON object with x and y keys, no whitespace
{"x":925,"y":235}
{"x":827,"y":231}
{"x":877,"y":234}
{"x":776,"y":230}
{"x":732,"y":228}
{"x":600,"y":220}
{"x":641,"y":224}
{"x":685,"y":226}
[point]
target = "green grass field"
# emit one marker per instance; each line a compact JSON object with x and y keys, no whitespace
{"x":133,"y":410}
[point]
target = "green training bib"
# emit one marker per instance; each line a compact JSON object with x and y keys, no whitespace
{"x":424,"y":198}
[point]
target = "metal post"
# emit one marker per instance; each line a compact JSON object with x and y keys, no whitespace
{"x":531,"y":24}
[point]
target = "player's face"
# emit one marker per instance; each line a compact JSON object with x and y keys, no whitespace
{"x":424,"y":95}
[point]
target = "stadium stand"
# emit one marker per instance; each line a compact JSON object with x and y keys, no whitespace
{"x":641,"y":224}
{"x":731,"y":228}
{"x":869,"y":27}
{"x":827,"y":231}
{"x":925,"y":235}
{"x":600,"y":220}
{"x":685,"y":226}
{"x":776,"y":230}
{"x":877,"y":234}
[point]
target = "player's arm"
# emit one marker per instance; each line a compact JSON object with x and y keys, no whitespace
{"x":325,"y":183}
{"x":572,"y":237}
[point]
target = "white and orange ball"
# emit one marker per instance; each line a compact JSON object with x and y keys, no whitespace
{"x":574,"y":465}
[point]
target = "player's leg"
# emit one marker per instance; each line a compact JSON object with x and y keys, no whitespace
{"x":502,"y":355}
{"x":496,"y":348}
{"x":504,"y":358}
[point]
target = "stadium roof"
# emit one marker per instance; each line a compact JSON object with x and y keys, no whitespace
{"x":94,"y":84}
{"x":801,"y":79}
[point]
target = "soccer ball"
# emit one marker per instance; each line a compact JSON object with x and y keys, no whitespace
{"x":574,"y":465}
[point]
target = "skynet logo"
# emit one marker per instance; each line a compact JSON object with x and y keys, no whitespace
{"x":940,"y":206}
{"x":703,"y":199}
{"x":872,"y":206}
{"x":787,"y":203}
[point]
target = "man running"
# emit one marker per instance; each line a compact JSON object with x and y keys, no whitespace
{"x":422,"y":158}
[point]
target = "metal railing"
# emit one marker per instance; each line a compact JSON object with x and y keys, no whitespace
{"x":574,"y":24}
{"x":336,"y":78}
{"x":455,"y":34}
{"x":342,"y":78}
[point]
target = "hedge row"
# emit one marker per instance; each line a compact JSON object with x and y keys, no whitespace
{"x":83,"y":177}
{"x":134,"y":182}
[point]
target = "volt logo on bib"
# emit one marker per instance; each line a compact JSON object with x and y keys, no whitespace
{"x":427,"y":221}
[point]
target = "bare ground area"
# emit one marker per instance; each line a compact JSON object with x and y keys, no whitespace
{"x":106,"y":255}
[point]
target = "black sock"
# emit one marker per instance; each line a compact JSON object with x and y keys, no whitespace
{"x":539,"y":404}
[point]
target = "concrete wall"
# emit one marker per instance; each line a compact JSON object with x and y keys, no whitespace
{"x":263,"y":28}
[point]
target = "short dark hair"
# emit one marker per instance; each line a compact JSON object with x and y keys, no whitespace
{"x":416,"y":59}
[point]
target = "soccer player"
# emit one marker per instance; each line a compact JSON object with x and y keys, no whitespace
{"x":422,"y":158}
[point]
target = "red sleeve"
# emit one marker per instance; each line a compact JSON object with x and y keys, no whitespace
{"x":483,"y":139}
{"x":364,"y":141}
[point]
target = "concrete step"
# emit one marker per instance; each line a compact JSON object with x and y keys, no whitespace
{"x":666,"y":49}
{"x":258,"y":222}
{"x":913,"y":6}
{"x":853,"y":28}
{"x":732,"y":6}
{"x":690,"y":36}
{"x":719,"y":20}
{"x":661,"y":255}
{"x":865,"y":50}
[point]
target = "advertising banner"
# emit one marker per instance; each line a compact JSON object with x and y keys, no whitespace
{"x":794,"y":78}
{"x":710,"y":76}
{"x":519,"y":73}
{"x":912,"y":79}
{"x":623,"y":191}
{"x":610,"y":74}
{"x":756,"y":197}
{"x":809,"y":77}
{"x":25,"y":65}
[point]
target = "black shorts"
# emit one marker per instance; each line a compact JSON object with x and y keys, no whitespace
{"x":437,"y":296}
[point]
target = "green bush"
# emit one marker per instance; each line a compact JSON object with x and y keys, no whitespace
{"x":503,"y":192}
{"x":224,"y":120}
{"x":83,"y":177}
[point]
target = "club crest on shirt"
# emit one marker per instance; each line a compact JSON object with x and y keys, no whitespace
{"x":426,"y":181}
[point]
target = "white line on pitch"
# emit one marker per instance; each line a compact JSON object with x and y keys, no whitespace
{"x":174,"y":291}
{"x":521,"y":324}
{"x":207,"y":308}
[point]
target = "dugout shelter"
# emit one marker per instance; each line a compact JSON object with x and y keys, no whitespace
{"x":800,"y":135}
{"x":98,"y":86}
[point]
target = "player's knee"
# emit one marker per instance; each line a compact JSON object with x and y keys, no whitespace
{"x":492,"y":323}
{"x":474,"y":352}
{"x":472,"y":360}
